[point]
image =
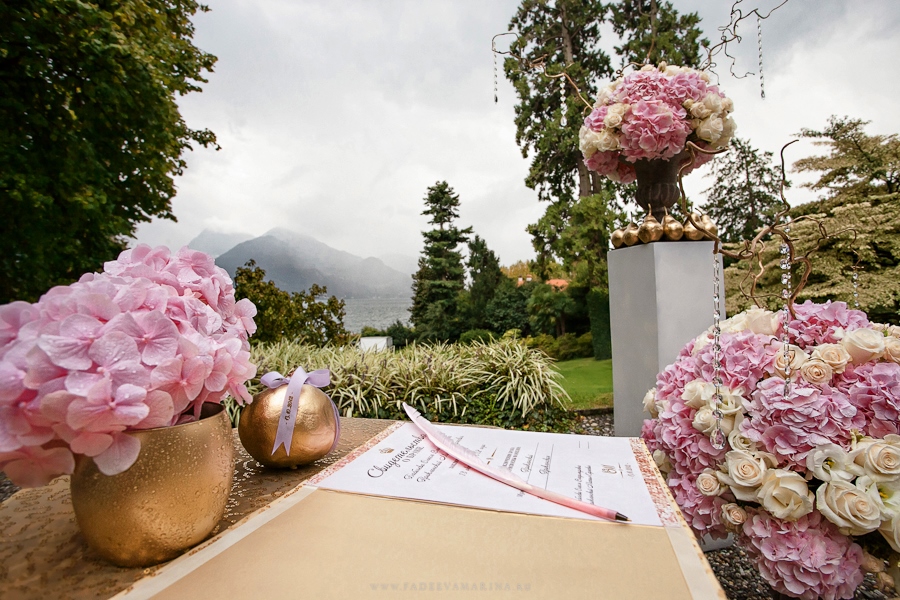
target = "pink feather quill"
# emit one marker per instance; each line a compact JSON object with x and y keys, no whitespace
{"x":467,"y":457}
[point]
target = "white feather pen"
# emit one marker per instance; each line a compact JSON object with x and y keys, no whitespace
{"x":469,"y":458}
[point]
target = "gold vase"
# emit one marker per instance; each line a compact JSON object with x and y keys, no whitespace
{"x":316,"y":427}
{"x":170,"y":499}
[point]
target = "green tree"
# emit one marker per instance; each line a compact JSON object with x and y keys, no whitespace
{"x":583,"y":244}
{"x":860,"y":209}
{"x":745,"y":194}
{"x":90,"y":132}
{"x":441,"y":276}
{"x":508,"y":308}
{"x":295,"y":316}
{"x":856,"y":163}
{"x":548,"y":309}
{"x":654,"y":32}
{"x":485,"y":273}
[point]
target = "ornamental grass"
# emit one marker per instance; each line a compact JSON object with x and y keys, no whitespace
{"x":501,"y":383}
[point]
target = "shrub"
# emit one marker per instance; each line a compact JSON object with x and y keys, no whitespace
{"x":565,"y":347}
{"x":476,"y":335}
{"x":502,"y":383}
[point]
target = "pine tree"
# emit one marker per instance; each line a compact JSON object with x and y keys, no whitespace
{"x":485,"y":273}
{"x":654,"y":32}
{"x":441,"y":276}
{"x":746,"y":192}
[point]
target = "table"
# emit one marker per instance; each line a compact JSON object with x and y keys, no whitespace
{"x":43,"y":555}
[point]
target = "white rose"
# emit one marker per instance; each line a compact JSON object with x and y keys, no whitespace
{"x":761,"y":321}
{"x":698,"y":393}
{"x":744,"y":472}
{"x":890,"y":531}
{"x":727,"y":105}
{"x":587,"y":141}
{"x":615,"y":114}
{"x":863,"y":345}
{"x":709,"y":484}
{"x":887,"y":491}
{"x":672,"y":70}
{"x":704,"y":76}
{"x":829,"y":462}
{"x":704,"y":421}
{"x":880,"y":458}
{"x":650,"y":403}
{"x":710,"y":129}
{"x":713,"y":102}
{"x":739,"y":441}
{"x":785,"y":495}
{"x":728,"y":129}
{"x":817,"y":372}
{"x":892,"y":349}
{"x":648,"y":68}
{"x":796,"y":358}
{"x":607,"y":140}
{"x":854,"y":510}
{"x":894,"y":331}
{"x":662,"y":461}
{"x":735,"y":324}
{"x":699,"y":110}
{"x":732,"y":401}
{"x":733,"y":515}
{"x":703,"y":340}
{"x":834,"y":355}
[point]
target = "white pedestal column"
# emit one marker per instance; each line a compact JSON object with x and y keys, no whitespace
{"x":660,"y":298}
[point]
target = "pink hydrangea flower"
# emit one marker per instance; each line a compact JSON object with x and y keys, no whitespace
{"x":142,"y":345}
{"x":824,"y":323}
{"x":806,"y":558}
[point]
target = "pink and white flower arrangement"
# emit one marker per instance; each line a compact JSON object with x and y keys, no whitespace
{"x":651,"y":114}
{"x":143,"y":344}
{"x":803,"y":475}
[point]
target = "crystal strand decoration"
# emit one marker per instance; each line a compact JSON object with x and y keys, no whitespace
{"x":762,"y":86}
{"x":855,"y":287}
{"x":562,"y":98}
{"x":718,"y":436}
{"x":786,"y":312}
{"x":495,"y":77}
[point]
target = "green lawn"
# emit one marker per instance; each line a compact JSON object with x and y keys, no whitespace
{"x":588,"y":382}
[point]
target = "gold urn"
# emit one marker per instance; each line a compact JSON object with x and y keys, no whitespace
{"x":316,"y":428}
{"x":170,"y":499}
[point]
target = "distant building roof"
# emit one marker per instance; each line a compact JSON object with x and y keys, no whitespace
{"x":559,"y":284}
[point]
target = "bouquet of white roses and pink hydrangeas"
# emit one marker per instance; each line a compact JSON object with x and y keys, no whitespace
{"x":143,"y":344}
{"x":803,"y":474}
{"x":651,"y":114}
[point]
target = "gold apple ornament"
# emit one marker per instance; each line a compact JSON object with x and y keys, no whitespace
{"x":293,"y":422}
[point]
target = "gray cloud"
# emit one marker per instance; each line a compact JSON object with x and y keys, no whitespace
{"x":334,"y":118}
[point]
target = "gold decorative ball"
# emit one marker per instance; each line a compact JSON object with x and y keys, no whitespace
{"x":691,"y":232}
{"x":650,"y":230}
{"x":672,"y":229}
{"x":709,"y":225}
{"x":315,"y":429}
{"x":617,"y":238}
{"x":630,"y":236}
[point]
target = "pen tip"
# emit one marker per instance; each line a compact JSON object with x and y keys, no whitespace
{"x":621,"y":517}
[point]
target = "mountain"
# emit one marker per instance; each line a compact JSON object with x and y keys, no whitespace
{"x":401,"y":262}
{"x":294,"y":261}
{"x":215,"y":243}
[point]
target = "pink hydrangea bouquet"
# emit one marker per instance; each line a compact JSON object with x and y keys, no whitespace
{"x":143,"y":344}
{"x":807,"y":469}
{"x":651,"y":114}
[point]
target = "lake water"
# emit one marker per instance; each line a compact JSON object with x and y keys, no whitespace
{"x":375,"y":312}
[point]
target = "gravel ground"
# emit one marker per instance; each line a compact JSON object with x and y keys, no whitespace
{"x":738,"y":576}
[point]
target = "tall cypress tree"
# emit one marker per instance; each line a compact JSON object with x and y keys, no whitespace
{"x":655,"y":32}
{"x":441,"y":276}
{"x":484,"y":270}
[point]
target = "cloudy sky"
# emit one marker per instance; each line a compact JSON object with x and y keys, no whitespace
{"x":335,"y":117}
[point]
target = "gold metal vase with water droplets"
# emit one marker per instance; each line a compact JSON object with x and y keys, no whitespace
{"x":170,"y":499}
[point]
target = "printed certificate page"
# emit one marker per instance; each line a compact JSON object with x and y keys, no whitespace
{"x":598,"y":470}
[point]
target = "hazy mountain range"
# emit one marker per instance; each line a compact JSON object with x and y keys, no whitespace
{"x":294,"y":261}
